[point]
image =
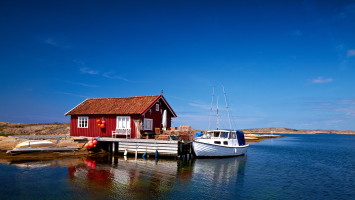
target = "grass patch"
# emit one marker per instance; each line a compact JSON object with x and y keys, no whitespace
{"x":5,"y":134}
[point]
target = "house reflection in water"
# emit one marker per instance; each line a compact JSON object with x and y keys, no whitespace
{"x":120,"y":178}
{"x":147,"y":179}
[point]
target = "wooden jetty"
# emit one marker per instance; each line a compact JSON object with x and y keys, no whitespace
{"x":140,"y":146}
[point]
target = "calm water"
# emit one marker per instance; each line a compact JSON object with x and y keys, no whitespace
{"x":296,"y":167}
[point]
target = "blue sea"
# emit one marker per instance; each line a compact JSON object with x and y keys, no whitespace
{"x":320,"y":166}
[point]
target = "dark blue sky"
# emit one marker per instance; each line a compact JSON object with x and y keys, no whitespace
{"x":283,"y":63}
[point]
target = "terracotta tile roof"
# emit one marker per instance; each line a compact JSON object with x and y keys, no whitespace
{"x":119,"y":105}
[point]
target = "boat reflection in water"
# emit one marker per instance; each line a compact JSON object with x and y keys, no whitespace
{"x":218,"y":173}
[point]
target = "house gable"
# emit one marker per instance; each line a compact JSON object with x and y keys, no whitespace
{"x":165,"y":102}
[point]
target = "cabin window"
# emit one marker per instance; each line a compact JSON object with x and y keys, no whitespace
{"x":225,"y":142}
{"x":232,"y":135}
{"x":123,"y":122}
{"x":215,"y":134}
{"x":148,"y":124}
{"x":83,"y":122}
{"x":156,"y":107}
{"x":217,"y":142}
{"x":224,"y":135}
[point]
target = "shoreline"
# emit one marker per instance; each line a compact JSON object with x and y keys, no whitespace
{"x":13,"y":129}
{"x":300,"y":132}
{"x":8,"y":143}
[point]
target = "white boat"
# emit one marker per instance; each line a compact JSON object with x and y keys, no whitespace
{"x":34,"y":143}
{"x":220,"y":143}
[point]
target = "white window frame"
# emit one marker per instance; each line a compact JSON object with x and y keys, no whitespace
{"x":157,"y":107}
{"x":123,"y":122}
{"x":83,"y":122}
{"x":148,"y":124}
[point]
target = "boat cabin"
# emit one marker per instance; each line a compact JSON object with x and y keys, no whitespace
{"x":222,"y":134}
{"x":225,"y":135}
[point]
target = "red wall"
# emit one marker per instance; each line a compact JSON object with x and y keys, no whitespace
{"x":158,"y":115}
{"x":94,"y":130}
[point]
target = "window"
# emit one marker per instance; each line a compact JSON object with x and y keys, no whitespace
{"x":224,"y":135}
{"x":83,"y":122}
{"x":148,"y":124}
{"x":157,"y":107}
{"x":215,"y":134}
{"x":225,"y":142}
{"x":123,"y":122}
{"x":217,"y":142}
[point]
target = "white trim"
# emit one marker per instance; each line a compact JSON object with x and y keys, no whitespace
{"x":126,"y":125}
{"x":148,"y":124}
{"x":156,"y":107}
{"x":166,"y":104}
{"x":75,"y":107}
{"x":82,"y":120}
{"x":151,"y":106}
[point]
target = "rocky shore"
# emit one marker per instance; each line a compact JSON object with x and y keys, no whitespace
{"x":8,"y":143}
{"x":36,"y":129}
{"x":8,"y":140}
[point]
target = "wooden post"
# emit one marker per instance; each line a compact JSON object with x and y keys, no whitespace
{"x":113,"y":148}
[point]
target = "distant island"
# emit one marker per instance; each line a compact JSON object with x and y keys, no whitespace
{"x":296,"y":131}
{"x":7,"y":128}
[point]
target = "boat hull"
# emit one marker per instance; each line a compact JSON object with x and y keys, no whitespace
{"x":35,"y":143}
{"x":210,"y":150}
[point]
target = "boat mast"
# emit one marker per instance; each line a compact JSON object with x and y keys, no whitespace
{"x":227,"y":107}
{"x":217,"y":121}
{"x":211,"y":110}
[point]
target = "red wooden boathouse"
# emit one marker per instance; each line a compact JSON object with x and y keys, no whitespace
{"x":105,"y":117}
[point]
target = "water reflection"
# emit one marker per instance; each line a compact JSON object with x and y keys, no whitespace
{"x":127,"y":178}
{"x":107,"y":177}
{"x":149,"y":179}
{"x":220,"y":172}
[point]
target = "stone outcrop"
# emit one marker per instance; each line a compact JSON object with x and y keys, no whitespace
{"x":34,"y":129}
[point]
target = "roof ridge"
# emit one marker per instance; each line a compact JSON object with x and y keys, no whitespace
{"x":115,"y":105}
{"x":156,"y":95}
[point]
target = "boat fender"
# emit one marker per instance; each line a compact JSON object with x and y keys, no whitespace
{"x":156,"y":154}
{"x":125,"y":152}
{"x":144,"y":155}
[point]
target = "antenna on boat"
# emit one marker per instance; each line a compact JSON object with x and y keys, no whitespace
{"x":217,"y":121}
{"x":227,"y":107}
{"x":211,"y":110}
